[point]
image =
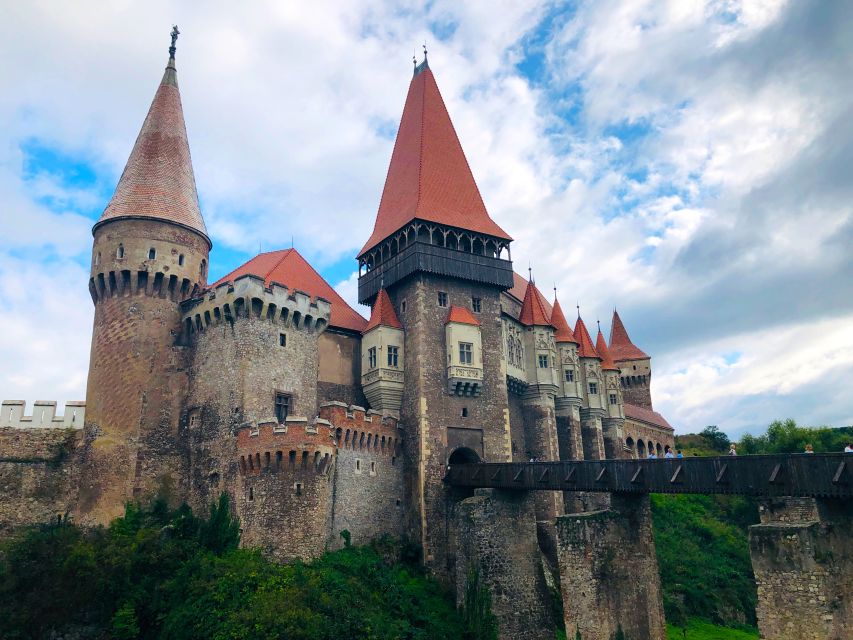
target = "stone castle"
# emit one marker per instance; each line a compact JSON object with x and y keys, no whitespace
{"x":267,"y":385}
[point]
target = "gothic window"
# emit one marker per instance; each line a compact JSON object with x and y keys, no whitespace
{"x":442,"y":299}
{"x":593,"y":388}
{"x":510,"y":350}
{"x":392,"y":356}
{"x":612,"y":398}
{"x":466,"y":352}
{"x":283,"y":406}
{"x":543,"y":362}
{"x":476,"y":305}
{"x":570,"y":375}
{"x":371,"y":358}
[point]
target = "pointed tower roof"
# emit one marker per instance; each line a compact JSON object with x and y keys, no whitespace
{"x":558,"y":319}
{"x":601,"y":347}
{"x":429,"y":177}
{"x":158,"y":180}
{"x":383,"y":313}
{"x":585,"y":347}
{"x":461,"y":315}
{"x":534,"y":308}
{"x":621,"y":347}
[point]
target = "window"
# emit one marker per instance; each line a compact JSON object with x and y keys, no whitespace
{"x":570,"y":375}
{"x":97,"y":258}
{"x":392,"y":356}
{"x":371,"y":358}
{"x":120,"y":252}
{"x":251,"y":494}
{"x":593,"y":388}
{"x":466,"y":355}
{"x":202,"y":270}
{"x":194,"y":419}
{"x":298,"y":488}
{"x":543,"y":362}
{"x":181,"y":260}
{"x":476,"y":305}
{"x":442,"y":299}
{"x":152,"y":253}
{"x":282,"y":406}
{"x":358,"y":466}
{"x":403,"y":306}
{"x":612,"y":398}
{"x":282,"y":339}
{"x":373,"y":468}
{"x":464,"y":412}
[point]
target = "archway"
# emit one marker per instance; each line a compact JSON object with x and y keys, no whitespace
{"x":463,"y":455}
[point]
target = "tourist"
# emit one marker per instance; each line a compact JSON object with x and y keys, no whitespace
{"x":679,"y":454}
{"x":849,"y":448}
{"x":668,"y":452}
{"x":652,"y":455}
{"x":732,"y":449}
{"x":809,"y":449}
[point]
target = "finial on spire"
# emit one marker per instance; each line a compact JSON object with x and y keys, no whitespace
{"x":425,"y":51}
{"x":555,"y":291}
{"x":414,"y":58}
{"x":598,"y":322}
{"x":578,"y":305}
{"x":175,"y":33}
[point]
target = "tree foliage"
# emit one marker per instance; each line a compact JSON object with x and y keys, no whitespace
{"x":786,"y":436}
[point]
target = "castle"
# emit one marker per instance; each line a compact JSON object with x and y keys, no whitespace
{"x":267,"y":385}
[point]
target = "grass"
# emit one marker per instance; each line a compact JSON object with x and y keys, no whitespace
{"x":701,"y":630}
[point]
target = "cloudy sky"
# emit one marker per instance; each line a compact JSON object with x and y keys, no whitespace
{"x":690,"y":163}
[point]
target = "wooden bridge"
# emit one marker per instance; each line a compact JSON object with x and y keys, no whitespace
{"x":798,"y":475}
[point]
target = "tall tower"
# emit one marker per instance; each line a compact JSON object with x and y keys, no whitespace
{"x":444,"y":263}
{"x":635,"y":365}
{"x":150,"y":252}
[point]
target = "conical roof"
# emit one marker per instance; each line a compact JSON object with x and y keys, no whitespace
{"x":621,"y":347}
{"x":383,"y":313}
{"x":429,"y":177}
{"x":558,"y":319}
{"x":158,"y":180}
{"x":585,"y":347}
{"x":601,"y":348}
{"x":533,"y":308}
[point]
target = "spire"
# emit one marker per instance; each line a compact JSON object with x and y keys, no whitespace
{"x":383,"y":313}
{"x":558,"y":319}
{"x":534,"y":308}
{"x":621,"y":347}
{"x":601,"y":347}
{"x":585,"y":347}
{"x":428,"y":177}
{"x":158,"y":180}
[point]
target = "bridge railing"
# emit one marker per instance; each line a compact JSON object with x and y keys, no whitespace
{"x":818,"y":475}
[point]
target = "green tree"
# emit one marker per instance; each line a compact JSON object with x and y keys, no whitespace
{"x":715,"y":439}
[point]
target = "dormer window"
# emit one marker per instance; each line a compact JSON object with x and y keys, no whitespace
{"x":152,"y":253}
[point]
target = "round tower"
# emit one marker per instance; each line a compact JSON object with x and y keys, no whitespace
{"x":150,"y":253}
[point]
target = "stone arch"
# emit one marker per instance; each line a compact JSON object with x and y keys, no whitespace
{"x":641,"y":449}
{"x":463,"y":455}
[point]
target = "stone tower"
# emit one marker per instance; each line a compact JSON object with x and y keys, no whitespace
{"x":635,"y":366}
{"x":435,"y":247}
{"x":150,"y":252}
{"x":614,"y":416}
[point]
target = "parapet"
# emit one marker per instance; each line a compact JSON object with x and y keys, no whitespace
{"x":13,"y":414}
{"x":270,"y":445}
{"x":248,"y":297}
{"x":358,"y":428}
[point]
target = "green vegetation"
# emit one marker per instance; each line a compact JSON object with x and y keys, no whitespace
{"x":788,"y":437}
{"x":158,"y":573}
{"x":700,"y":630}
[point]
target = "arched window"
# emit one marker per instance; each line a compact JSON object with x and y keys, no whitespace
{"x":152,"y":253}
{"x":181,"y":260}
{"x":202,"y":270}
{"x":120,"y":252}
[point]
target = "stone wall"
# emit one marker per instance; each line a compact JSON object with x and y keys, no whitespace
{"x":38,"y":475}
{"x":339,"y":376}
{"x":497,"y":540}
{"x":647,"y":433}
{"x":802,"y":557}
{"x":609,"y":574}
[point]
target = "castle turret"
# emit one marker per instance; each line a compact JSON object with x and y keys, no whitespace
{"x":592,"y":388}
{"x":382,"y":354}
{"x":615,"y":411}
{"x":635,"y":365}
{"x":567,"y":404}
{"x":150,"y":252}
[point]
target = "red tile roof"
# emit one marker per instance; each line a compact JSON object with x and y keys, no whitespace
{"x":158,"y":180}
{"x":621,"y":347}
{"x":383,"y":313}
{"x":558,"y":319}
{"x":601,"y":348}
{"x":462,"y":316}
{"x":642,"y":414}
{"x":585,"y":348}
{"x":289,"y":268}
{"x":429,"y":177}
{"x":519,"y":288}
{"x":534,"y":308}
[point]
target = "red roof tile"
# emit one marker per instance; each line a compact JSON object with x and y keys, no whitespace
{"x":558,"y":319}
{"x":601,"y":348}
{"x":533,"y":308}
{"x":158,"y":180}
{"x":383,"y":313}
{"x":429,"y":177}
{"x":289,"y":268}
{"x":585,"y":348}
{"x":642,"y":414}
{"x":519,"y":288}
{"x":462,"y":316}
{"x":621,"y":347}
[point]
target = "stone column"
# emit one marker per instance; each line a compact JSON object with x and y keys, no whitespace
{"x":570,"y":443}
{"x":613,"y":438}
{"x":609,"y":572}
{"x":497,"y":542}
{"x":592,"y":434}
{"x":802,"y":557}
{"x":541,"y":437}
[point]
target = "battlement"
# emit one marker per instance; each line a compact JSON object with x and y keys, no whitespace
{"x":248,"y":297}
{"x":358,"y":428}
{"x":125,"y":283}
{"x":13,"y":414}
{"x":294,"y":444}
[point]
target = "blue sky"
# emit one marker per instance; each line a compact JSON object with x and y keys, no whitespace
{"x":686,"y":162}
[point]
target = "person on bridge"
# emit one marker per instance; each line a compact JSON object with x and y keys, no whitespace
{"x":732,"y":449}
{"x":652,"y":455}
{"x":679,"y":454}
{"x":849,"y":448}
{"x":668,"y":452}
{"x":809,"y":449}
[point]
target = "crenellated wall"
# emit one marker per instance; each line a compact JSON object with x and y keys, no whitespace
{"x":13,"y":413}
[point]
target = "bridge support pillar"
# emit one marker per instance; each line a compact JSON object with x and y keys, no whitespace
{"x":570,"y":442}
{"x":498,"y":543}
{"x":613,"y":438}
{"x":609,"y":573}
{"x":592,"y":435}
{"x":541,"y":436}
{"x":802,"y":557}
